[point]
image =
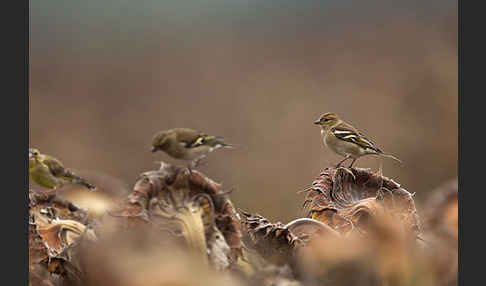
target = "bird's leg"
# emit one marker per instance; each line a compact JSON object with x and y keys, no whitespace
{"x":351,"y":165}
{"x":198,"y":162}
{"x":342,"y":161}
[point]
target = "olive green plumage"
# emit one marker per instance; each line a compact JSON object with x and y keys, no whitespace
{"x":186,"y":144}
{"x":49,"y":172}
{"x":345,"y":140}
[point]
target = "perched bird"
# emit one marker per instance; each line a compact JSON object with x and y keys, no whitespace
{"x":187,"y":144}
{"x":49,"y":172}
{"x":345,"y":140}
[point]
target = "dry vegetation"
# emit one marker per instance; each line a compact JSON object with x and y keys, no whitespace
{"x":104,"y":77}
{"x":179,"y":227}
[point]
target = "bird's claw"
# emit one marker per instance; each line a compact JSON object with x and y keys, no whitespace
{"x":198,"y":162}
{"x":349,"y":171}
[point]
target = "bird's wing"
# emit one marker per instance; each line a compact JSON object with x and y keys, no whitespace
{"x":43,"y":176}
{"x":54,"y":165}
{"x":207,"y":140}
{"x":187,"y":136}
{"x":351,"y":135}
{"x":57,"y":170}
{"x":192,"y":138}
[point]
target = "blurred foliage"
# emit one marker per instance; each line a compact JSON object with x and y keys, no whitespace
{"x":178,"y":227}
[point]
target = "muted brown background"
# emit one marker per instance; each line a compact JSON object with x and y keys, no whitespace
{"x":106,"y":75}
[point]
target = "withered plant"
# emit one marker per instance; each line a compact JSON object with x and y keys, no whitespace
{"x":185,"y":202}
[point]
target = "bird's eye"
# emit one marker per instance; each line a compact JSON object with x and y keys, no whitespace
{"x":327,"y":119}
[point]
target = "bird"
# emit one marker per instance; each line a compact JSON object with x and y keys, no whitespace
{"x":49,"y":172}
{"x":187,"y":144}
{"x":345,"y":140}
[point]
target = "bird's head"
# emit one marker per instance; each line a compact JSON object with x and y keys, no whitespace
{"x":159,"y":141}
{"x":33,"y":155}
{"x":327,"y":120}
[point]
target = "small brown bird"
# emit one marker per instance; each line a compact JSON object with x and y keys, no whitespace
{"x":345,"y":140}
{"x":187,"y":144}
{"x":49,"y":172}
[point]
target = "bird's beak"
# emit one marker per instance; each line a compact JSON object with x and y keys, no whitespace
{"x":318,"y":122}
{"x":30,"y":155}
{"x":154,"y":149}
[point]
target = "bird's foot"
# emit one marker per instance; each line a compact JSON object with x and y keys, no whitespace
{"x":349,"y":171}
{"x":199,"y":161}
{"x":342,"y":161}
{"x":196,"y":163}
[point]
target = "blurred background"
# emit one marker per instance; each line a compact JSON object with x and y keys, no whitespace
{"x":106,"y":75}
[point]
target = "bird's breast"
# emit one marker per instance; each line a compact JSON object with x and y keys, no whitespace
{"x":324,"y":137}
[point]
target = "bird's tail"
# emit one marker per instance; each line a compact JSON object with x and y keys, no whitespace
{"x":83,"y":182}
{"x":78,"y":180}
{"x":218,"y":140}
{"x":390,"y":156}
{"x":229,"y":146}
